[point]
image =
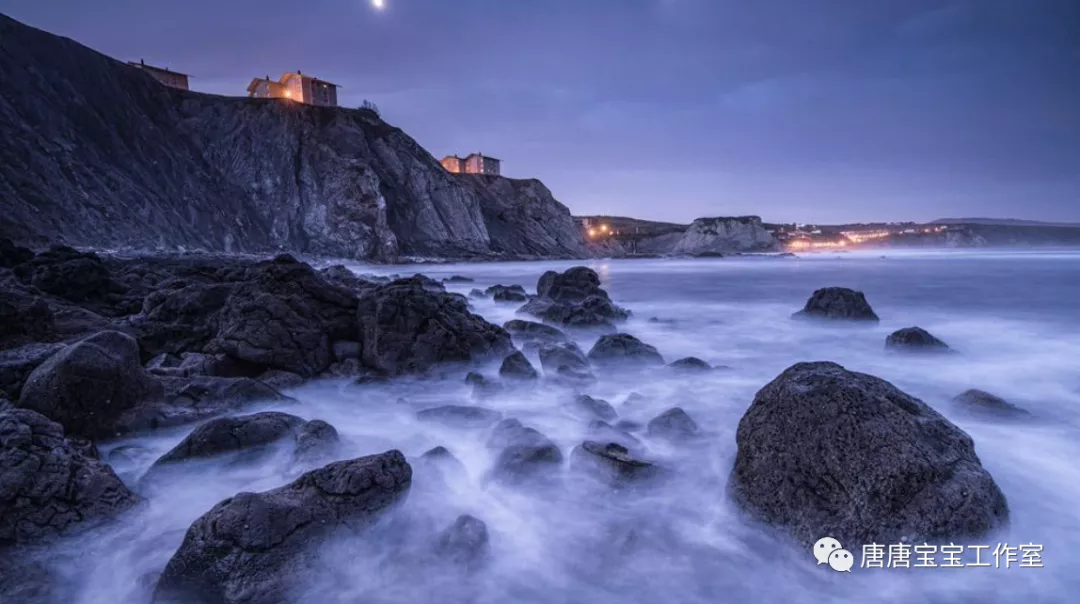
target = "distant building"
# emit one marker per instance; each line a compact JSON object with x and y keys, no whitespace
{"x":296,"y":86}
{"x":171,"y":79}
{"x":476,"y":163}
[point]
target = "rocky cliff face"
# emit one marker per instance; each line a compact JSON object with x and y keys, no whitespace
{"x":743,"y":234}
{"x":99,"y":154}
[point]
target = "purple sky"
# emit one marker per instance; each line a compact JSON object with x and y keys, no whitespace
{"x":824,"y":111}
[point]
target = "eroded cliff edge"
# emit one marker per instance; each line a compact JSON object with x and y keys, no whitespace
{"x":98,"y":154}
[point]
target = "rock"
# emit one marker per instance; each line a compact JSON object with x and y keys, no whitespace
{"x":691,"y":364}
{"x":593,"y":407}
{"x":87,"y":386}
{"x":245,"y":433}
{"x":345,"y":349}
{"x":826,"y":451}
{"x":712,"y":237}
{"x":516,"y":366}
{"x":627,"y":426}
{"x":12,"y":255}
{"x":475,"y":379}
{"x":278,"y":379}
{"x":572,"y":376}
{"x":554,"y":356}
{"x":48,"y":485}
{"x":407,"y":329}
{"x":464,"y":543}
{"x":69,"y":274}
{"x":604,"y":432}
{"x":458,"y":279}
{"x":444,"y":461}
{"x":254,"y":547}
{"x":982,"y":402}
{"x":188,"y":400}
{"x":477,"y":294}
{"x":623,"y":349}
{"x":345,"y":369}
{"x":915,"y":339}
{"x":573,"y":298}
{"x":674,"y":425}
{"x":461,"y":416}
{"x":611,"y":463}
{"x":24,"y":318}
{"x":507,"y":293}
{"x":525,"y":454}
{"x":837,"y":303}
{"x":532,"y":332}
{"x":341,"y":276}
{"x":16,"y":364}
{"x":316,"y":440}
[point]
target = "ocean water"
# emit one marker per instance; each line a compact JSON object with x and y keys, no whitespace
{"x":1014,"y":316}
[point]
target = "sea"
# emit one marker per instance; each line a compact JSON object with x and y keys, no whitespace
{"x":1013,"y":316}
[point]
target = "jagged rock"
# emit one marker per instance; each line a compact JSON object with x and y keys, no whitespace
{"x":837,"y":303}
{"x":345,"y":349}
{"x":462,"y":416}
{"x":524,"y":453}
{"x":24,"y":318}
{"x":604,"y":432}
{"x":915,"y":339}
{"x":464,"y":543}
{"x":458,"y":279}
{"x":516,"y":366}
{"x":247,"y":433}
{"x":690,"y":364}
{"x":87,"y":386}
{"x":254,"y":547}
{"x":528,"y":332}
{"x":281,"y":380}
{"x":623,"y":349}
{"x":444,"y":461}
{"x":188,"y":400}
{"x":593,"y":407}
{"x":16,"y":364}
{"x":573,"y":298}
{"x":569,"y":355}
{"x":477,"y":294}
{"x":982,"y":402}
{"x":826,"y":451}
{"x":713,"y":236}
{"x":611,"y":463}
{"x":48,"y":485}
{"x":574,"y":376}
{"x":341,"y":276}
{"x":674,"y":425}
{"x":12,"y":255}
{"x":191,"y":364}
{"x":507,"y":293}
{"x":316,"y":440}
{"x":407,"y":329}
{"x":523,"y":219}
{"x":69,"y":274}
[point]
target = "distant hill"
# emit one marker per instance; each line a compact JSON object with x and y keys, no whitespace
{"x":625,"y":224}
{"x":1005,"y":222}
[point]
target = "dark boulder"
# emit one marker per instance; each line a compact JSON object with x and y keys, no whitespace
{"x":837,"y":303}
{"x":673,"y":425}
{"x":316,"y":440}
{"x":826,"y":451}
{"x":572,"y":376}
{"x":406,"y":329}
{"x":573,"y":298}
{"x":87,"y":386}
{"x":245,"y":433}
{"x":611,"y":463}
{"x":189,"y":400}
{"x":593,"y":407}
{"x":442,"y":459}
{"x":458,"y":279}
{"x":690,"y":364}
{"x":254,"y":547}
{"x":516,"y":366}
{"x":341,"y":276}
{"x":474,"y":378}
{"x":48,"y":485}
{"x":461,"y":416}
{"x":915,"y":339}
{"x":12,"y":255}
{"x":983,"y":403}
{"x":602,"y":431}
{"x":524,"y":453}
{"x":477,"y":294}
{"x":554,"y":356}
{"x":507,"y":293}
{"x":24,"y":318}
{"x":70,"y":274}
{"x":16,"y":364}
{"x":465,"y":543}
{"x":625,"y":350}
{"x":532,"y":332}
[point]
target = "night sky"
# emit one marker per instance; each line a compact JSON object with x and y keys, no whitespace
{"x":796,"y":110}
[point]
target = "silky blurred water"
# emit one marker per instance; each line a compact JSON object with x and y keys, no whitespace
{"x":1015,"y":318}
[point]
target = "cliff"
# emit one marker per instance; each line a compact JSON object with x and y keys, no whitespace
{"x":717,"y":235}
{"x":99,"y":154}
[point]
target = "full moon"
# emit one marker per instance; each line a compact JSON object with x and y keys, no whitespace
{"x":378,"y":4}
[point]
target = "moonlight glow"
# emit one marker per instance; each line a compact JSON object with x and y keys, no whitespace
{"x":378,"y":4}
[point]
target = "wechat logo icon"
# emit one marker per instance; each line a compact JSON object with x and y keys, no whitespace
{"x":829,"y":551}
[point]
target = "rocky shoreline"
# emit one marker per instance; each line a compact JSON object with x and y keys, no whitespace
{"x":96,"y":347}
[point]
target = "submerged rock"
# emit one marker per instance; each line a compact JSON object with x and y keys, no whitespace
{"x":837,"y":303}
{"x":826,"y":451}
{"x":623,"y":349}
{"x":458,"y":279}
{"x":462,"y":416}
{"x":189,"y":400}
{"x":915,"y":339}
{"x":982,"y":402}
{"x":575,"y":299}
{"x":87,"y":386}
{"x":593,"y":407}
{"x":253,"y":547}
{"x":464,"y":543}
{"x":49,"y":485}
{"x":602,"y":431}
{"x":316,"y":440}
{"x":16,"y":364}
{"x":406,"y":328}
{"x":525,"y":454}
{"x":555,"y":356}
{"x":690,"y":364}
{"x":516,"y":366}
{"x":673,"y":425}
{"x":611,"y":463}
{"x":528,"y":332}
{"x":507,"y":293}
{"x":234,"y":434}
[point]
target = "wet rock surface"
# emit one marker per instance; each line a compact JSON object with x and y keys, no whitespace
{"x":981,"y":402}
{"x":837,"y":303}
{"x":555,"y":356}
{"x":623,"y":349}
{"x":525,"y":454}
{"x":254,"y":547}
{"x":590,"y":407}
{"x":517,"y":367}
{"x":245,"y":433}
{"x":612,"y":463}
{"x":690,"y":365}
{"x":826,"y":451}
{"x":533,"y":332}
{"x":673,"y":425}
{"x":575,"y":299}
{"x":915,"y":339}
{"x":465,"y":543}
{"x":49,"y":485}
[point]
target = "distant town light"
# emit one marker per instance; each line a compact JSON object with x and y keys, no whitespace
{"x":604,"y":228}
{"x":592,"y":232}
